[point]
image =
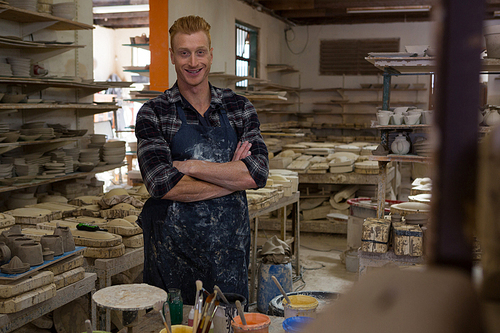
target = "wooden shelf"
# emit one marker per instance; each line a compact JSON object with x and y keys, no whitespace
{"x":282,"y":68}
{"x":36,"y":84}
{"x":401,"y":158}
{"x":73,"y":175}
{"x":141,"y":46}
{"x":84,"y":109}
{"x":33,"y":21}
{"x":12,"y":321}
{"x":274,"y":86}
{"x":403,"y":103}
{"x":395,"y":127}
{"x":234,"y":78}
{"x":423,"y":65}
{"x":343,"y":178}
{"x":381,"y":89}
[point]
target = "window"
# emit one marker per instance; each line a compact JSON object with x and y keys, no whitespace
{"x":347,"y":56}
{"x":246,"y":52}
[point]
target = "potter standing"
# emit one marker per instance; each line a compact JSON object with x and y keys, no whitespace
{"x":199,"y":147}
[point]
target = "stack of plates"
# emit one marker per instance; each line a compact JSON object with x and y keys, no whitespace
{"x":68,"y":163}
{"x":423,"y":147}
{"x":24,"y":4}
{"x":98,"y":138}
{"x":5,"y":69}
{"x":348,"y":149}
{"x":90,"y":155}
{"x":47,"y":133}
{"x":113,"y":152}
{"x":20,"y":66}
{"x":6,"y":170}
{"x":26,"y":169}
{"x":35,"y":124}
{"x":54,"y":168}
{"x":65,"y":10}
{"x":4,"y":128}
{"x":73,"y":152}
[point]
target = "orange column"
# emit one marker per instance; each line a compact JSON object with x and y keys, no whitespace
{"x":158,"y":44}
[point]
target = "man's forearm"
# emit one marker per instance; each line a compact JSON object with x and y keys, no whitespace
{"x":233,"y":176}
{"x":189,"y":189}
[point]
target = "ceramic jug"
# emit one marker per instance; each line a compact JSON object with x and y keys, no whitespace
{"x":491,"y":118}
{"x":400,"y":145}
{"x":67,"y":238}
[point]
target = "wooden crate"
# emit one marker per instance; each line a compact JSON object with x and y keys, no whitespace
{"x":408,"y":240}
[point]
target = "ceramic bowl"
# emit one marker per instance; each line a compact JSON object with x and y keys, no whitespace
{"x":114,"y":144}
{"x":10,"y":136}
{"x":412,"y":119}
{"x":383,"y":119}
{"x":426,"y":117}
{"x":397,"y":119}
{"x":7,"y":98}
{"x":86,"y":166}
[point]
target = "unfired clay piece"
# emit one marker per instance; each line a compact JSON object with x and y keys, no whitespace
{"x":15,"y":266}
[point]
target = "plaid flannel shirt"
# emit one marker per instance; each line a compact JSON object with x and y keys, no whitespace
{"x":157,"y":122}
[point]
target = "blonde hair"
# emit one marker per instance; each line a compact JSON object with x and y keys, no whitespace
{"x":189,"y":25}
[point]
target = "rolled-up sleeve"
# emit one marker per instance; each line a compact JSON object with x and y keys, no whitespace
{"x":258,"y":162}
{"x":153,"y":149}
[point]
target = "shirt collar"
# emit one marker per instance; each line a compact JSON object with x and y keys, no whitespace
{"x":173,"y":95}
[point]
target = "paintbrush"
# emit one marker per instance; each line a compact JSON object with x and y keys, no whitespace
{"x":211,"y":315}
{"x":205,"y":310}
{"x":166,"y":317}
{"x":208,"y":314}
{"x":281,"y":289}
{"x":240,"y":311}
{"x":199,"y":286}
{"x":221,"y":294}
{"x":88,"y":326}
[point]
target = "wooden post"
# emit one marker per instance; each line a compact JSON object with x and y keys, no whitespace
{"x":158,"y":44}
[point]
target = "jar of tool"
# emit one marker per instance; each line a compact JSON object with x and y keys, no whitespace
{"x":175,"y":305}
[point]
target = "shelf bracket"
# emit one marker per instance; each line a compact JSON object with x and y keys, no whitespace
{"x":29,"y":28}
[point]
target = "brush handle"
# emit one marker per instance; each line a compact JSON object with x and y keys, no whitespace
{"x":281,"y":289}
{"x":88,"y":326}
{"x":241,"y":313}
{"x":221,"y":294}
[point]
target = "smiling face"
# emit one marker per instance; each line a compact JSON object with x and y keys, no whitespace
{"x":192,"y":57}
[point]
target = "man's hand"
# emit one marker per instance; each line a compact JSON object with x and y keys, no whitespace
{"x":242,"y":151}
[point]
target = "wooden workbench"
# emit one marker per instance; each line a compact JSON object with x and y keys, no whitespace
{"x":12,"y":321}
{"x":254,"y":214}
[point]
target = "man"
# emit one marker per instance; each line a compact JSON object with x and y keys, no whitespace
{"x":199,"y":148}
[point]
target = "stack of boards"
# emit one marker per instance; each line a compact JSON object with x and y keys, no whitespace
{"x":31,"y":288}
{"x":280,"y":183}
{"x":323,"y":157}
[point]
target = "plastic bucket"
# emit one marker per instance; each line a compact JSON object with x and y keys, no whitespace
{"x":179,"y":329}
{"x":352,"y":261}
{"x":296,"y":324}
{"x":267,"y":289}
{"x":226,"y":312}
{"x":304,"y":306}
{"x":256,"y":323}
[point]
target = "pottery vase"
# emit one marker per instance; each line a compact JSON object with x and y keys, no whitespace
{"x":492,"y":118}
{"x":54,"y":243}
{"x":67,"y":238}
{"x":5,"y":253}
{"x":31,"y":253}
{"x":400,"y":145}
{"x":17,"y":243}
{"x":8,"y":238}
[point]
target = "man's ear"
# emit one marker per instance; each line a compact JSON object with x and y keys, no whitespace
{"x":171,"y":56}
{"x":211,"y":55}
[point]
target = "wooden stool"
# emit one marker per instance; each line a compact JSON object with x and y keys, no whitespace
{"x":128,"y":298}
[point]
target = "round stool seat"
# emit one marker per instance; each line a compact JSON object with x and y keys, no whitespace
{"x":129,"y":297}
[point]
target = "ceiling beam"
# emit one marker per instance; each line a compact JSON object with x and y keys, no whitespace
{"x":288,"y":4}
{"x":102,"y":3}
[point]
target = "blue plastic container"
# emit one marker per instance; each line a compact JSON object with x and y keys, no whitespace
{"x":267,"y":289}
{"x":296,"y":324}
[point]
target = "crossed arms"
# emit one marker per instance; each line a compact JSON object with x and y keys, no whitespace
{"x":204,"y":180}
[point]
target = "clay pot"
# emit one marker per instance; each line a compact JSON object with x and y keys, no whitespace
{"x":17,"y":243}
{"x":67,"y":238}
{"x":15,"y":266}
{"x":8,"y":238}
{"x":47,"y":254}
{"x":5,"y":253}
{"x":54,"y":243}
{"x":400,"y":145}
{"x":31,"y":253}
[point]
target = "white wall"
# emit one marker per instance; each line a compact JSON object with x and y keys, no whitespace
{"x":221,"y":15}
{"x":109,"y":53}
